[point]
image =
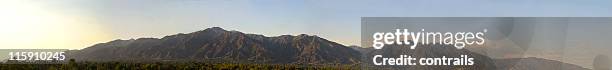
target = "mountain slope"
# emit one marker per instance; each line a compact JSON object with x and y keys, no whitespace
{"x":533,"y":63}
{"x":218,"y":44}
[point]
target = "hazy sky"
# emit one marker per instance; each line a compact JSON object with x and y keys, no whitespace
{"x":77,"y":24}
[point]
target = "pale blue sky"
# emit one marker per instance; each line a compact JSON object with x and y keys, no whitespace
{"x":337,"y":20}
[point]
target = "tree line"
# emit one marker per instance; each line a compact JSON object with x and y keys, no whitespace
{"x":73,"y":65}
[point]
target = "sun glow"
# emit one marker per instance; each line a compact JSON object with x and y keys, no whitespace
{"x":30,"y":25}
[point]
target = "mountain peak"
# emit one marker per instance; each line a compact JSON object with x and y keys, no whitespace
{"x":308,"y":36}
{"x":212,"y":30}
{"x":215,"y":29}
{"x":303,"y":35}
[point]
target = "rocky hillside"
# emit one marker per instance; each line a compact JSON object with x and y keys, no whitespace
{"x":216,"y":43}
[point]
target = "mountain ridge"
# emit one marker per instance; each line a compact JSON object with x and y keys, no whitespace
{"x":217,"y":43}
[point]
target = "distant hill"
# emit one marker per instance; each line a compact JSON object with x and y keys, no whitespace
{"x":217,"y":44}
{"x":482,"y":62}
{"x":533,"y":63}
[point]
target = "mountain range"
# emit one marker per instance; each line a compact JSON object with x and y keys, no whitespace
{"x":219,"y":45}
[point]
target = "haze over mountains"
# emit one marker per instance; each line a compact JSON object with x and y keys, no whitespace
{"x":217,"y":44}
